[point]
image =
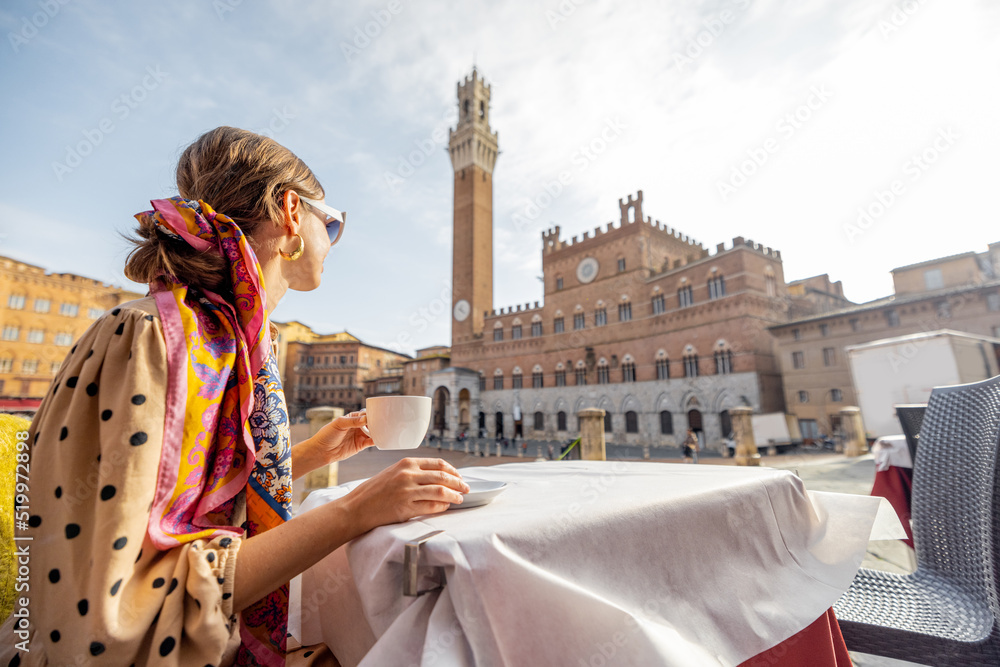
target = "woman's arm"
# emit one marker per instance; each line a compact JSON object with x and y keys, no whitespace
{"x":409,"y":488}
{"x":336,"y":441}
{"x":306,"y":458}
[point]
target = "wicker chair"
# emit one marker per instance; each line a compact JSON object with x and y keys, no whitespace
{"x":946,"y":612}
{"x":910,"y":418}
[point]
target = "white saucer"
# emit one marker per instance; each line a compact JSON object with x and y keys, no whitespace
{"x":481,"y":492}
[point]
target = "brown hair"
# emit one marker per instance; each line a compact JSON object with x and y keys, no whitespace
{"x":238,"y":173}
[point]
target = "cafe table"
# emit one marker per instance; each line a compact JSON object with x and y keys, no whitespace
{"x":592,"y":563}
{"x":894,"y":477}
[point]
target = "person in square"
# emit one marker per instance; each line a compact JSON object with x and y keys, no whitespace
{"x":690,"y":447}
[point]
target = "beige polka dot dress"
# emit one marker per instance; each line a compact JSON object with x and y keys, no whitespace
{"x":100,"y":592}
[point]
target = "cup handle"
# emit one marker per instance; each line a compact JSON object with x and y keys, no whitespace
{"x":364,"y":429}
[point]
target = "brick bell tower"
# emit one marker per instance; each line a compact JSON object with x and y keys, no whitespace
{"x":473,"y":149}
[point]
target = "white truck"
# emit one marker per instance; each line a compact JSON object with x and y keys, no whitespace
{"x":904,"y":369}
{"x":772,"y":432}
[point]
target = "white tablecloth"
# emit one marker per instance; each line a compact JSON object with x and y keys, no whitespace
{"x":586,"y":563}
{"x":891,"y":450}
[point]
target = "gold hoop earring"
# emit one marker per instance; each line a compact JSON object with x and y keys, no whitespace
{"x":298,"y":251}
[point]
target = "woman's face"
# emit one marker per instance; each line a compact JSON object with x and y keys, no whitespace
{"x":304,"y":274}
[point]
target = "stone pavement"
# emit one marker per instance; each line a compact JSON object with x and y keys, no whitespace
{"x":820,"y":471}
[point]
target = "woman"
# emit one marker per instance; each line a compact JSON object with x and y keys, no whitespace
{"x":690,"y":447}
{"x":161,"y":464}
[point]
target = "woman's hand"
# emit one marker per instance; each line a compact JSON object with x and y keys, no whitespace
{"x":408,"y":488}
{"x":340,"y":439}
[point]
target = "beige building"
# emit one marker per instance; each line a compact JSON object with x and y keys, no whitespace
{"x":426,"y":361}
{"x":961,"y":292}
{"x":388,"y":383}
{"x":332,"y":370}
{"x":290,"y":332}
{"x":637,"y":318}
{"x":42,"y":314}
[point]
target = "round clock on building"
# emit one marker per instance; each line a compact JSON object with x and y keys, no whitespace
{"x":586,"y":270}
{"x":462,"y":310}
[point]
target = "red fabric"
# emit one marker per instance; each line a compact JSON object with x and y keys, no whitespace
{"x":895,"y":485}
{"x":819,"y":645}
{"x":20,"y":404}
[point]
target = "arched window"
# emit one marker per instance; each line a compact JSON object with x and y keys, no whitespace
{"x":685,"y":295}
{"x":515,"y":329}
{"x":498,"y":332}
{"x":560,"y":375}
{"x":628,"y":369}
{"x":517,"y":378}
{"x":603,"y":375}
{"x":659,"y":302}
{"x":666,"y":423}
{"x":581,"y":373}
{"x":716,"y":286}
{"x":607,"y":421}
{"x":537,"y":381}
{"x":482,"y":381}
{"x":498,"y":379}
{"x":624,"y":310}
{"x":539,"y":421}
{"x":662,"y":366}
{"x":561,"y":421}
{"x":723,"y":358}
{"x":600,"y":315}
{"x":631,"y":422}
{"x":690,"y":362}
{"x":536,"y":326}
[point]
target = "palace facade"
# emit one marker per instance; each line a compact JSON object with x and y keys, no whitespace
{"x":637,"y":318}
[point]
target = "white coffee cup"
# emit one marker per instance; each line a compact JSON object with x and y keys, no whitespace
{"x":398,"y":422}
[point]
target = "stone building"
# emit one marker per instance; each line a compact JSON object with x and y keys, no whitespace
{"x":42,"y":315}
{"x":637,"y":318}
{"x":331,"y":370}
{"x":961,"y":292}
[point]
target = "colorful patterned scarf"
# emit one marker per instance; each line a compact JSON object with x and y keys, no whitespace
{"x":215,"y":350}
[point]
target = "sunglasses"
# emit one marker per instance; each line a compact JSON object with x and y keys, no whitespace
{"x":333,"y":219}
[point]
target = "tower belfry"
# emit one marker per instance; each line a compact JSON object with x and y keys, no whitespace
{"x":473,"y":149}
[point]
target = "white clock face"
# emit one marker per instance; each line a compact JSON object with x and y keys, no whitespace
{"x":462,"y":310}
{"x":586,"y":270}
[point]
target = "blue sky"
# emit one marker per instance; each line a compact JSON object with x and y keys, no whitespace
{"x":767,"y":119}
